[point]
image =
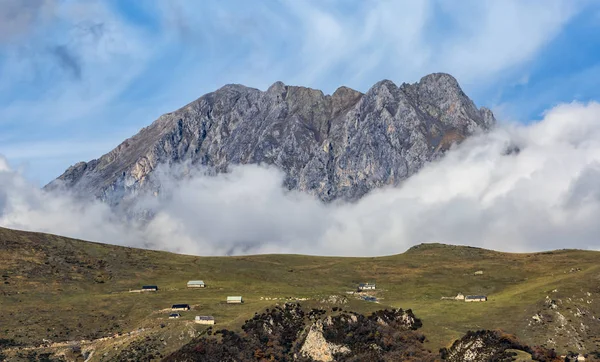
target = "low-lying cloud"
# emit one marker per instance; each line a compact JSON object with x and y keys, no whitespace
{"x":519,"y":188}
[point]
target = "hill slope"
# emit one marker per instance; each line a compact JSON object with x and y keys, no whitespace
{"x":338,"y":146}
{"x":60,"y":289}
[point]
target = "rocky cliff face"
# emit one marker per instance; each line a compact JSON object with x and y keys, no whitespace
{"x":337,"y":146}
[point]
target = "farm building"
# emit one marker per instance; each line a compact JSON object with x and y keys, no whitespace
{"x":174,"y":315}
{"x":149,"y":288}
{"x":180,"y":307}
{"x":234,"y":300}
{"x":195,"y":284}
{"x":479,"y":272}
{"x":366,"y":286}
{"x":475,"y":298}
{"x":204,"y":319}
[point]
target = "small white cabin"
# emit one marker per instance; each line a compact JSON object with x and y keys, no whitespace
{"x":195,"y":284}
{"x":204,"y":319}
{"x":234,"y":300}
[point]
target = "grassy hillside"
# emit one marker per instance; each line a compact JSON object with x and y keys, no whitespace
{"x":61,"y":289}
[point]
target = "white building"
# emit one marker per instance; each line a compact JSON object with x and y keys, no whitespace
{"x":195,"y":284}
{"x":204,"y":319}
{"x":234,"y":300}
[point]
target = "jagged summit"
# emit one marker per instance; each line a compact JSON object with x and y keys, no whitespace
{"x":439,"y":79}
{"x":337,"y":146}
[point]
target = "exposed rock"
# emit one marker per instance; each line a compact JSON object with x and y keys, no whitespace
{"x":337,"y":146}
{"x":296,"y":335}
{"x":483,"y":346}
{"x":317,"y":348}
{"x":568,"y":322}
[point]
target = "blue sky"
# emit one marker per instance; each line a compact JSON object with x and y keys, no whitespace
{"x":78,"y":77}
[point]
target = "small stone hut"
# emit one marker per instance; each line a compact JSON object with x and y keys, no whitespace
{"x":234,"y":300}
{"x":204,"y":319}
{"x":196,"y":284}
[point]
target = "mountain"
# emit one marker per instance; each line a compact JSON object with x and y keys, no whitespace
{"x":337,"y":146}
{"x":63,"y":297}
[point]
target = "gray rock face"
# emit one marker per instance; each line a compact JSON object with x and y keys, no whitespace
{"x":337,"y":146}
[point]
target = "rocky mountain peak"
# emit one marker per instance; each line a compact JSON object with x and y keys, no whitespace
{"x":337,"y":146}
{"x":439,"y":81}
{"x":278,"y":90}
{"x":383,"y":86}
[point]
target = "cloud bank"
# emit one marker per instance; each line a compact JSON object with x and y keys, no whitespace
{"x":518,"y":188}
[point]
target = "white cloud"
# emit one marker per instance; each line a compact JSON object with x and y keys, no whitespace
{"x":403,"y":40}
{"x":75,"y":67}
{"x":501,"y":34}
{"x":546,"y":196}
{"x":325,"y":44}
{"x":4,"y":167}
{"x":25,"y":206}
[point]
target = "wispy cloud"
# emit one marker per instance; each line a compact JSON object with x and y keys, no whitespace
{"x":327,"y":44}
{"x":77,"y":69}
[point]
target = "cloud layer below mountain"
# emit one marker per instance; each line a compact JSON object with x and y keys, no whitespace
{"x":518,"y":188}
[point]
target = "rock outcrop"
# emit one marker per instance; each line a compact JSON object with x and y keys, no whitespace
{"x":568,"y":320}
{"x":337,"y":146}
{"x":289,"y":333}
{"x":485,"y":345}
{"x":317,"y":348}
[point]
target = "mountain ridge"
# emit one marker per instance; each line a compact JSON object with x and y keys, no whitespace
{"x":337,"y":146}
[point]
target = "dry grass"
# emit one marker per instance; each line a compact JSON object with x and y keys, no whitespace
{"x":52,"y":289}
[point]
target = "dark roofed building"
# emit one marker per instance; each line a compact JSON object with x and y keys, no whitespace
{"x":366,"y":286}
{"x":475,"y":298}
{"x":180,"y":307}
{"x":149,"y":288}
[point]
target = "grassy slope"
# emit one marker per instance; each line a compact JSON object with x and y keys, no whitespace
{"x":49,"y":286}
